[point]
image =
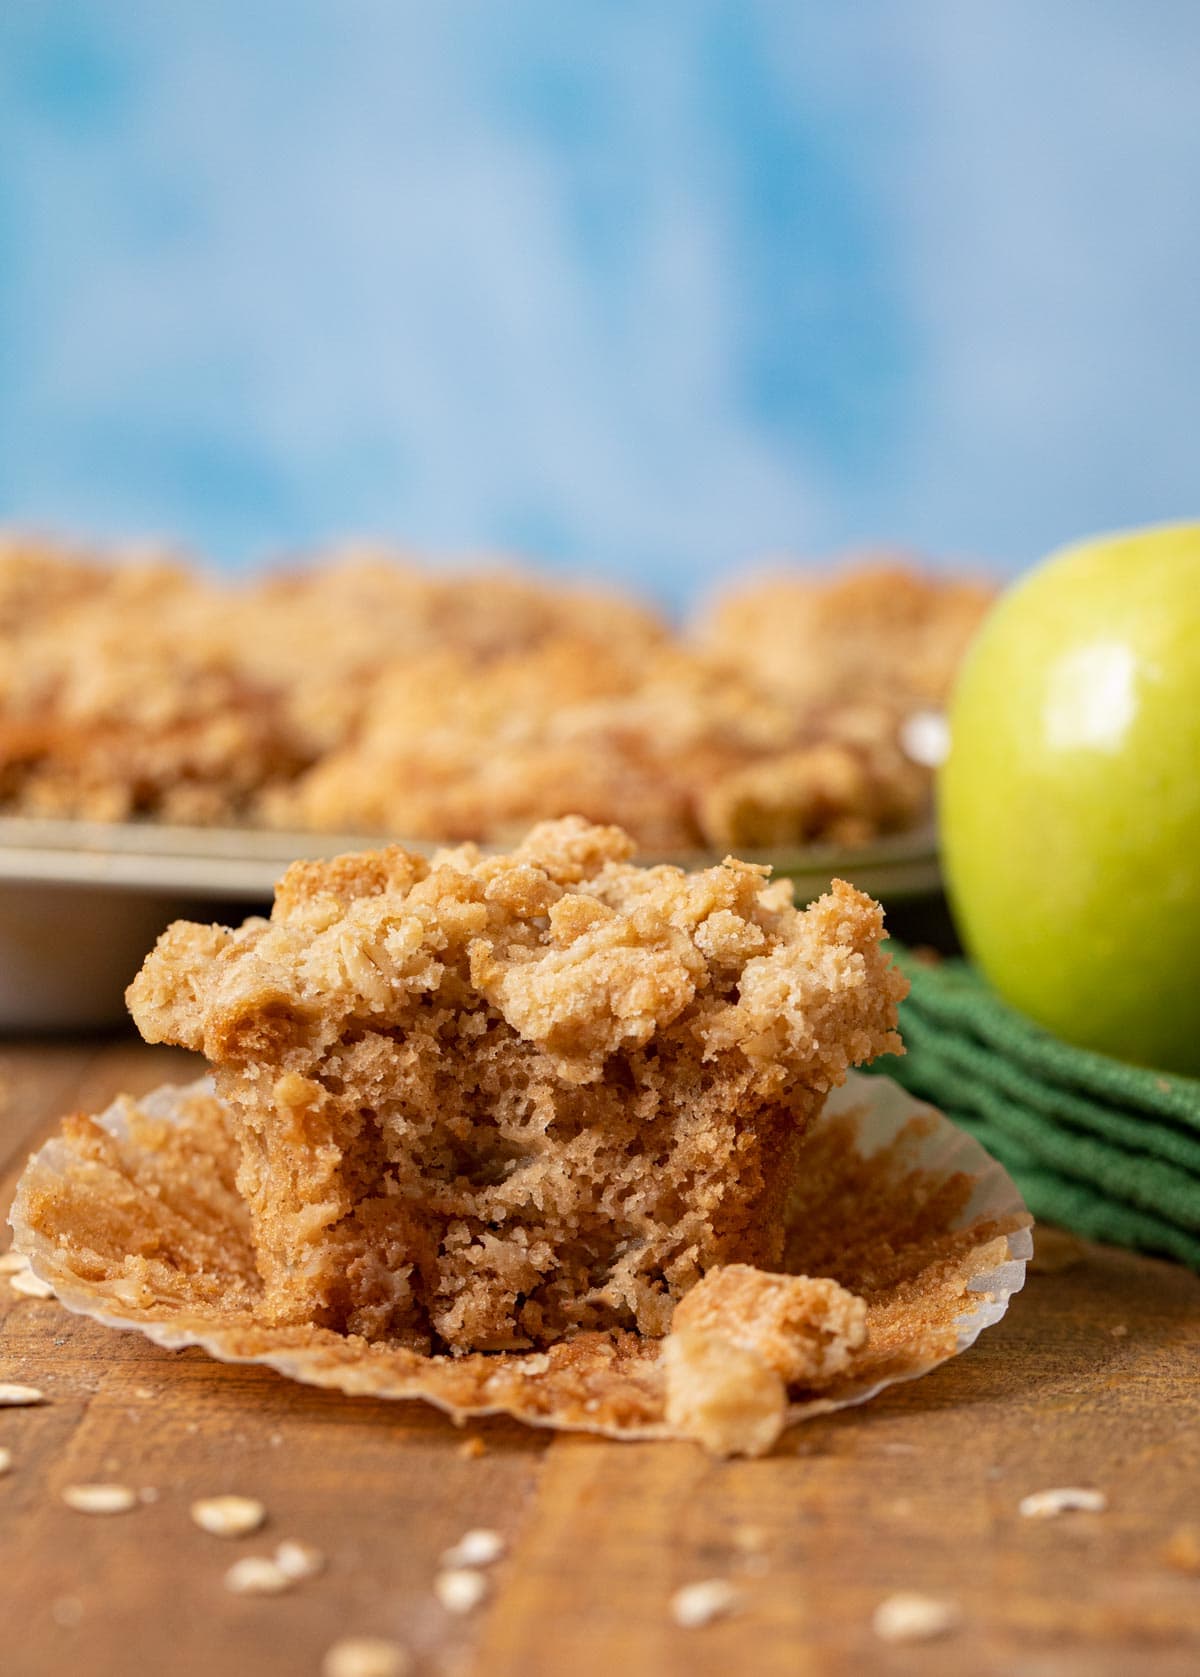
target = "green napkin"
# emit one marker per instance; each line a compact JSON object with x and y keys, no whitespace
{"x":1109,"y":1150}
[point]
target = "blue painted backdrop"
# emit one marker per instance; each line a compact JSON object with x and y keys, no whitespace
{"x":647,"y":288}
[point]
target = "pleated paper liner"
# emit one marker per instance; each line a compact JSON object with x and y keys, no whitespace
{"x":134,"y":1218}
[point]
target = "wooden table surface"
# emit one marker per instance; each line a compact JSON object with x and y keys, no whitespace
{"x":1093,"y":1379}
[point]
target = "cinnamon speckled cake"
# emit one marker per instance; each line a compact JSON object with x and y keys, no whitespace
{"x":487,"y":1101}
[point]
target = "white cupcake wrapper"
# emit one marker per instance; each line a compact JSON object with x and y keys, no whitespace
{"x":884,"y":1109}
{"x":614,"y":1388}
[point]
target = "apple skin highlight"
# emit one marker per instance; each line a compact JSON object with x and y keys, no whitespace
{"x":1069,"y":803}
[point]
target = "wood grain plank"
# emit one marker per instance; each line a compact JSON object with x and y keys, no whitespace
{"x":379,"y":1488}
{"x":918,"y":1491}
{"x":1093,"y":1378}
{"x":41,"y":1081}
{"x":37,"y":1082}
{"x":382,"y":1489}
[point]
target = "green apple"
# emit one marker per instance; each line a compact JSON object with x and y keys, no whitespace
{"x":1069,"y":802}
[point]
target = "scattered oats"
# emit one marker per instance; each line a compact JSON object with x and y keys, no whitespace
{"x":366,"y":1656}
{"x":299,"y":1560}
{"x":30,"y":1286}
{"x":67,"y":1611}
{"x":480,"y":1547}
{"x":459,"y":1589}
{"x":148,"y":1493}
{"x":696,"y":1605}
{"x":12,"y":1261}
{"x":5,"y":1460}
{"x":472,"y":1448}
{"x":257,"y":1575}
{"x":908,"y":1617}
{"x":275,"y":1440}
{"x":1045,"y":1505}
{"x":228,"y":1516}
{"x":14,"y":1396}
{"x":100,"y":1499}
{"x":142,"y":1392}
{"x":1119,"y":1330}
{"x":1182,"y":1549}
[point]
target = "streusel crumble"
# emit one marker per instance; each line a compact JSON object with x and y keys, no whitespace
{"x":366,"y":694}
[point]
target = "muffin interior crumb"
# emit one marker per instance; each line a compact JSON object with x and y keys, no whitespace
{"x":486,"y":1101}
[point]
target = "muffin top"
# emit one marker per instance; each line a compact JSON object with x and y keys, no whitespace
{"x":583,"y":954}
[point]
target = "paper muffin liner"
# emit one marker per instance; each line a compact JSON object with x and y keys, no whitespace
{"x":134,"y":1219}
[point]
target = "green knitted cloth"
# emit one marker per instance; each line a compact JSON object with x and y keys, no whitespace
{"x":1109,"y":1150}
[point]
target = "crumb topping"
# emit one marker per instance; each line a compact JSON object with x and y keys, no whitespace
{"x":579,"y":951}
{"x":367,"y":694}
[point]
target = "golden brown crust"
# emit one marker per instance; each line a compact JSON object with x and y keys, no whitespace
{"x":879,"y":630}
{"x":142,"y":688}
{"x":368,"y":695}
{"x":492,"y":1099}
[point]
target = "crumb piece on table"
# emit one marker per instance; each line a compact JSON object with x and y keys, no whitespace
{"x":909,"y":1617}
{"x":14,"y":1395}
{"x":257,"y":1575}
{"x":228,"y":1516}
{"x":460,"y":1589}
{"x":697,"y":1605}
{"x":100,"y":1499}
{"x":480,"y":1547}
{"x":1067,"y":1499}
{"x":30,"y":1286}
{"x":366,"y":1656}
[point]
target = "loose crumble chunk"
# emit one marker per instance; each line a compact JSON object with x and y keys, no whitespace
{"x":806,"y":1328}
{"x":488,"y":1101}
{"x":740,"y":1338}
